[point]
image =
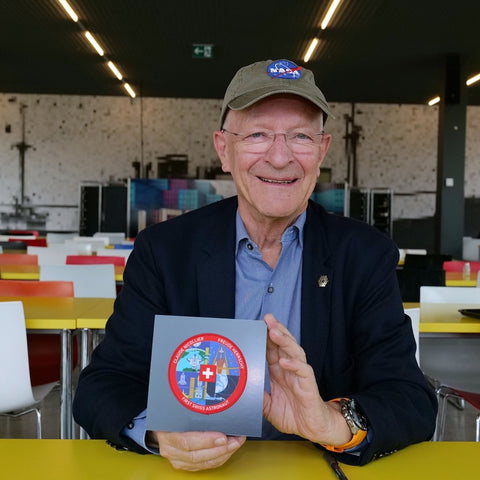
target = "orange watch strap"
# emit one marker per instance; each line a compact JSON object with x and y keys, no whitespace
{"x":357,"y":439}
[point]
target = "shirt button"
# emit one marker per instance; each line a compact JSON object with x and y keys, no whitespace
{"x":270,"y":289}
{"x":130,"y":425}
{"x":249,"y":246}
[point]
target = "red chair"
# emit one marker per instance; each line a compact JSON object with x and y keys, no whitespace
{"x":32,"y":242}
{"x":18,"y":259}
{"x":95,"y":260}
{"x":35,"y":233}
{"x":43,"y":349}
{"x":457,"y":266}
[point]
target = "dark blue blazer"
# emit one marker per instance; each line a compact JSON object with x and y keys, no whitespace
{"x":353,"y":330}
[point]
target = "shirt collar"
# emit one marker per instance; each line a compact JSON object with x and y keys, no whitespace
{"x":297,"y":227}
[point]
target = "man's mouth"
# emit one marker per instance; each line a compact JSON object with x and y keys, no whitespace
{"x":279,"y":182}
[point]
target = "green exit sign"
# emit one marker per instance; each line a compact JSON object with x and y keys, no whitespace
{"x":201,"y":50}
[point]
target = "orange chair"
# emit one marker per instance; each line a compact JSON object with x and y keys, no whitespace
{"x":457,"y":266}
{"x":43,"y":349}
{"x":95,"y":260}
{"x":18,"y":259}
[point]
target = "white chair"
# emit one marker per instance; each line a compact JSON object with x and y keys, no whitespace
{"x":113,"y":237}
{"x":478,"y":278}
{"x":471,"y":249}
{"x":88,"y":280}
{"x":449,"y":295}
{"x":17,"y":396}
{"x":88,"y":244}
{"x":114,"y":252}
{"x":48,"y":255}
{"x":414,"y":314}
{"x":59,"y":238}
{"x":1,"y":249}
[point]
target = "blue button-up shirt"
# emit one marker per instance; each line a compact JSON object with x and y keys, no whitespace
{"x":259,"y":289}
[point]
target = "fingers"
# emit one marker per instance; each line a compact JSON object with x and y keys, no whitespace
{"x":195,"y":451}
{"x":279,"y":337}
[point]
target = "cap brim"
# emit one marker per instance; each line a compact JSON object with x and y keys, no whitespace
{"x":249,"y":98}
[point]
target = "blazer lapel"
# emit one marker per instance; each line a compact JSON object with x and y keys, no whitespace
{"x":317,"y":277}
{"x":216,"y":266}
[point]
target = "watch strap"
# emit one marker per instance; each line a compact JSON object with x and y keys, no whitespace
{"x":356,"y":439}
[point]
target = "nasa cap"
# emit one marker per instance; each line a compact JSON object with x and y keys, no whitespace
{"x":270,"y":77}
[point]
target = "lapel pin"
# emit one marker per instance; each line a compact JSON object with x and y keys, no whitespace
{"x":322,"y":281}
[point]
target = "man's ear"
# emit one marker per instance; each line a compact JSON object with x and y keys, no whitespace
{"x":221,"y":148}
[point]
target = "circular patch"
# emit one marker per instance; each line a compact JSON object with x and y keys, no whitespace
{"x":207,"y":373}
{"x":284,"y":69}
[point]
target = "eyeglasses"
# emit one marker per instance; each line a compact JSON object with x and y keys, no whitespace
{"x":262,"y":140}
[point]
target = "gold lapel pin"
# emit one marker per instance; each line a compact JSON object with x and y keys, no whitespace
{"x":322,"y":281}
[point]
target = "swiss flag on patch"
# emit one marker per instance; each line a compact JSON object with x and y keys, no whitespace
{"x":208,"y":373}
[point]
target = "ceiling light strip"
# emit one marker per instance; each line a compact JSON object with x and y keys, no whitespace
{"x":473,"y":79}
{"x":96,"y":46}
{"x":69,"y":10}
{"x":311,"y":48}
{"x":330,"y":12}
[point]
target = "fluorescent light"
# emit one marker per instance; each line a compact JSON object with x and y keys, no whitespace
{"x":473,"y":79}
{"x":129,"y":89}
{"x":328,"y":16}
{"x":114,"y":69}
{"x":94,"y":43}
{"x":311,"y":48}
{"x":69,"y":10}
{"x":433,"y":101}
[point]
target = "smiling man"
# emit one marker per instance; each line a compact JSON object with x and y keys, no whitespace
{"x":340,"y":350}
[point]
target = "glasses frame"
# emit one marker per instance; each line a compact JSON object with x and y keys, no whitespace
{"x":269,"y":145}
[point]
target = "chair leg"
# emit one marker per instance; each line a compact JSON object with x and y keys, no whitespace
{"x":25,"y":412}
{"x":477,"y":428}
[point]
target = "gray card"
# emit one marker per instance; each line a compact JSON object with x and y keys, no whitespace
{"x":207,"y":374}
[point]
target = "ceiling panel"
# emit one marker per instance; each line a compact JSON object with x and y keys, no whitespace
{"x":374,"y":51}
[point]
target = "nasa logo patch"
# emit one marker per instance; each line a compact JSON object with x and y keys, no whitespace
{"x":207,"y":373}
{"x":284,"y":69}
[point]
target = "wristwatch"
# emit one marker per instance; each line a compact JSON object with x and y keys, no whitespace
{"x":355,"y":420}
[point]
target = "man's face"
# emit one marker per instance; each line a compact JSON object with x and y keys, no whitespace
{"x":276,"y":183}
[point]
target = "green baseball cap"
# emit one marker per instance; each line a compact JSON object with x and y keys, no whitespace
{"x":270,"y":77}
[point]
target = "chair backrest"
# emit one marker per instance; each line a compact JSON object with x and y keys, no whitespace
{"x":87,"y":243}
{"x":109,"y":252}
{"x":457,"y":266}
{"x":55,"y":238}
{"x":450,"y":295}
{"x":414,"y":314}
{"x":471,"y":249}
{"x":95,"y":260}
{"x":49,"y":255}
{"x":88,"y":280}
{"x":15,"y":386}
{"x":113,"y":237}
{"x":37,"y":242}
{"x":36,"y":288}
{"x":18,"y":259}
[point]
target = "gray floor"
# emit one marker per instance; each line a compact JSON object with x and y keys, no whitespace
{"x":460,"y":424}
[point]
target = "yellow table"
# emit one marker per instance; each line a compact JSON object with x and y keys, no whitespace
{"x":455,"y":279}
{"x":445,"y":318}
{"x":89,"y":459}
{"x":32,"y":272}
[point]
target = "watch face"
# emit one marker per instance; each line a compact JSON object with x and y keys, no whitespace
{"x":359,"y":419}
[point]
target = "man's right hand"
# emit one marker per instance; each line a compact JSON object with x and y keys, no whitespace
{"x":193,"y":451}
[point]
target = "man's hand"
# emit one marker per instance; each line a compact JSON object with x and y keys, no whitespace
{"x":294,"y":404}
{"x":195,"y":451}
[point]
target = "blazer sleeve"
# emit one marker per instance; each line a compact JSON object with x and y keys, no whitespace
{"x":113,"y":388}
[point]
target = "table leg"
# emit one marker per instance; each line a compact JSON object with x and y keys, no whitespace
{"x":66,"y":385}
{"x":85,"y":352}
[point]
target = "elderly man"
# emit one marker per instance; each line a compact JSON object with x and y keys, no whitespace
{"x":340,"y":351}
